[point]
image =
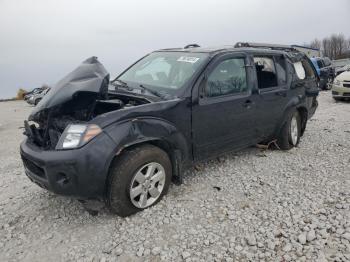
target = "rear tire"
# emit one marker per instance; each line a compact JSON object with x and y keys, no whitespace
{"x":289,"y":136}
{"x":328,"y":85}
{"x":138,"y":179}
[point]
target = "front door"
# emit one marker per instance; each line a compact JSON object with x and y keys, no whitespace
{"x":223,"y":116}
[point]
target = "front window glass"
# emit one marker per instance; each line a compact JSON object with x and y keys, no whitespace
{"x":229,"y":77}
{"x":164,"y":71}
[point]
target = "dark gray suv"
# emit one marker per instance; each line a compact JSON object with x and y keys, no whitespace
{"x":125,"y":140}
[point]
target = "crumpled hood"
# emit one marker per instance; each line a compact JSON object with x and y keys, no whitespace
{"x":90,"y":76}
{"x":344,"y":76}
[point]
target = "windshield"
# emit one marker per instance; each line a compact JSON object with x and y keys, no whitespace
{"x":164,"y":71}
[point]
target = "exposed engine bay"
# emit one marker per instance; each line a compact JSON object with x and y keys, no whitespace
{"x":79,"y":97}
{"x":45,"y":130}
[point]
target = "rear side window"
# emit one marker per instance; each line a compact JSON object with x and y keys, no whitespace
{"x":266,"y":72}
{"x":228,"y":77}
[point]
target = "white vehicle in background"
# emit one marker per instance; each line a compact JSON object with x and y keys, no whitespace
{"x":341,"y":86}
{"x":35,"y":98}
{"x":342,"y":69}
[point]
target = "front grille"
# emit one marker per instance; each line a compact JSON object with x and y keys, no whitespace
{"x":346,"y":94}
{"x":34,"y":168}
{"x":346,"y":85}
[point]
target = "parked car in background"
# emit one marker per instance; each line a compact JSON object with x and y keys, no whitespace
{"x":36,"y":97}
{"x":33,"y":92}
{"x":325,"y":71}
{"x":341,"y":86}
{"x":342,"y":69}
{"x":124,"y":141}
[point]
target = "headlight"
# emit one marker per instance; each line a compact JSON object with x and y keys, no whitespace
{"x":337,"y":82}
{"x":77,"y":135}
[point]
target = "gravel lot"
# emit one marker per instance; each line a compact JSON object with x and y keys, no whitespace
{"x":253,"y":205}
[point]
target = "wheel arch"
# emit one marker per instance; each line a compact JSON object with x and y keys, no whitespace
{"x":303,"y":113}
{"x":293,"y":105}
{"x":157,"y":132}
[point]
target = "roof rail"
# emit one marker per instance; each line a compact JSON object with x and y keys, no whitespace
{"x":191,"y":46}
{"x":268,"y":46}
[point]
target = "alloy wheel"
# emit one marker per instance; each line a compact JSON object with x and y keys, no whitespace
{"x":294,"y":132}
{"x":147,"y":185}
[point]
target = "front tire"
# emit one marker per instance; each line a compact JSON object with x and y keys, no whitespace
{"x":138,"y":179}
{"x":289,"y":136}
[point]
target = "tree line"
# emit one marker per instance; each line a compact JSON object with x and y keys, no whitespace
{"x":335,"y":46}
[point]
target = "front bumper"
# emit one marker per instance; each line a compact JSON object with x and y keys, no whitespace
{"x":80,"y":172}
{"x":340,"y":91}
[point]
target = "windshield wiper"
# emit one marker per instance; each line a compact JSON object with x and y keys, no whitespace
{"x":140,"y":87}
{"x":153,"y":92}
{"x":122,"y":83}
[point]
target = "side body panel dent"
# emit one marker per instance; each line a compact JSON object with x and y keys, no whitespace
{"x":139,"y":130}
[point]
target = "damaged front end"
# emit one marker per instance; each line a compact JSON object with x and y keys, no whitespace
{"x":70,"y":105}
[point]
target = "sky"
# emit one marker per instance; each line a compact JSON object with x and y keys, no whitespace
{"x":43,"y":40}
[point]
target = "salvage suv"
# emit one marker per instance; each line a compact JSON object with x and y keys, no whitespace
{"x":125,"y":140}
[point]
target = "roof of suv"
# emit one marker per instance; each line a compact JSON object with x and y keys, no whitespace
{"x":228,"y":48}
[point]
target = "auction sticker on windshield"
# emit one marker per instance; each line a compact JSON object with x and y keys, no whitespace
{"x":188,"y":59}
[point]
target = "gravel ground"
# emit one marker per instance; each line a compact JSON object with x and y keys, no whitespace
{"x":252,"y":205}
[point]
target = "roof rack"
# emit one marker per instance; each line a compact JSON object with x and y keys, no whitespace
{"x":268,"y":46}
{"x":191,"y":46}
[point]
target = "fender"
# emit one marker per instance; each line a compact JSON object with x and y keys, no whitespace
{"x":157,"y":131}
{"x":294,"y":104}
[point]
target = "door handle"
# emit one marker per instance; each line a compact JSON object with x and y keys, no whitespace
{"x":248,"y":104}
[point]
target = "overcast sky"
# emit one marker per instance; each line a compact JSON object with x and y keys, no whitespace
{"x":42,"y":40}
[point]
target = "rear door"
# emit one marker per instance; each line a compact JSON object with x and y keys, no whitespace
{"x":272,"y":92}
{"x":223,"y":116}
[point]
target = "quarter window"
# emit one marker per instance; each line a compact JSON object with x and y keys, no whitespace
{"x":304,"y":69}
{"x":229,"y":77}
{"x":309,"y":72}
{"x":299,"y":69}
